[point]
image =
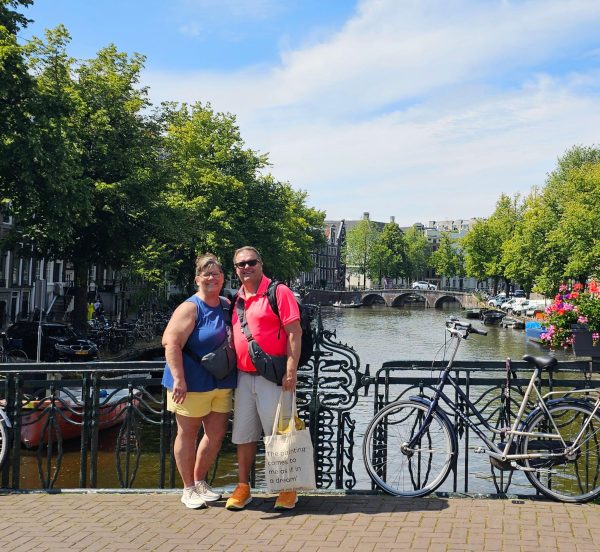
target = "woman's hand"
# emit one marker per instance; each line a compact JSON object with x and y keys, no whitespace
{"x":179,"y":391}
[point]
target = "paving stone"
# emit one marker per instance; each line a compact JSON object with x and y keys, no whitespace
{"x":98,"y":522}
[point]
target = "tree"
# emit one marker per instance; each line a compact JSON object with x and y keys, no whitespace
{"x":419,"y":252}
{"x":89,"y":192}
{"x":563,"y":204}
{"x":16,"y":92}
{"x":483,"y":245}
{"x":217,"y":201}
{"x":359,"y":247}
{"x":389,"y":257}
{"x":447,"y":260}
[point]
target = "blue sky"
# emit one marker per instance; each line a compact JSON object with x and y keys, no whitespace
{"x":418,"y":109}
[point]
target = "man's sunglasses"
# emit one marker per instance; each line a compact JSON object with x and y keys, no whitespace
{"x":242,"y":264}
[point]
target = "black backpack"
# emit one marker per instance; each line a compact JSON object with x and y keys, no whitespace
{"x":307,"y":343}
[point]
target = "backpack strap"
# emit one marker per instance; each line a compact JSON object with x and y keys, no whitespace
{"x":271,"y":295}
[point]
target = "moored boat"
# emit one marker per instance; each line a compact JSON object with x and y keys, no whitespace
{"x":40,"y":420}
{"x":473,"y":314}
{"x":491,"y":316}
{"x":510,"y":322}
{"x":340,"y":305}
{"x":534,"y":330}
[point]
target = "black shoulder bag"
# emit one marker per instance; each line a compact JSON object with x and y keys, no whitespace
{"x":222,"y":361}
{"x":270,"y":367}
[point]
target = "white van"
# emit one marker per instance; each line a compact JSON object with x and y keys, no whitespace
{"x":536,"y":305}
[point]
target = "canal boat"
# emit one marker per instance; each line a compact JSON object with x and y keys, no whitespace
{"x":39,"y":420}
{"x":340,"y":305}
{"x":534,"y":330}
{"x":474,"y":314}
{"x":514,"y":323}
{"x":491,"y":316}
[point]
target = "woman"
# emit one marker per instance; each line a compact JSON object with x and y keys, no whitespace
{"x":195,"y":396}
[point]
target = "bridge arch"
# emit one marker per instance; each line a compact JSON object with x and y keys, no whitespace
{"x":373,"y":299}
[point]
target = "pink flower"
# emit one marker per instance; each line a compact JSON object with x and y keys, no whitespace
{"x":582,"y":320}
{"x":563,"y":288}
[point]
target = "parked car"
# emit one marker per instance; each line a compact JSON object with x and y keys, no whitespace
{"x":59,"y":342}
{"x":423,"y":285}
{"x":509,"y":305}
{"x":519,"y":293}
{"x":497,"y":300}
{"x":535,"y":305}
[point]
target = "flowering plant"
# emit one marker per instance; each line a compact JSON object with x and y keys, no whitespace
{"x":570,"y":307}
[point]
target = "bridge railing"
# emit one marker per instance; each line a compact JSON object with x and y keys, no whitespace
{"x":485,"y":383}
{"x":106,"y":424}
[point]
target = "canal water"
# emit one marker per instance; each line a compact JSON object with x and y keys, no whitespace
{"x":378,"y":334}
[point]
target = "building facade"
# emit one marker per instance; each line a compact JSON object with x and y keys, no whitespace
{"x":329,"y":269}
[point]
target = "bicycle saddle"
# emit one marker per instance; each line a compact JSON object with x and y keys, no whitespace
{"x":543,"y":362}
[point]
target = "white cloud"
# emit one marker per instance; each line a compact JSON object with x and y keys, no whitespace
{"x":418,"y":109}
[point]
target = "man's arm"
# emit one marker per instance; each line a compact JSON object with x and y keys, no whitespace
{"x":293,"y":332}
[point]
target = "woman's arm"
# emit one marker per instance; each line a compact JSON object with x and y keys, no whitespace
{"x":175,"y":336}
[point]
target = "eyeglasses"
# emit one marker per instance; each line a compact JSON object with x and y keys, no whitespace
{"x":208,"y":275}
{"x":242,"y":264}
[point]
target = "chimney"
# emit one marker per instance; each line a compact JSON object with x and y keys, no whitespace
{"x":366,"y":215}
{"x":392,"y":219}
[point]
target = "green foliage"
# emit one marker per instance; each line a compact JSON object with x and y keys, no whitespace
{"x":360,"y":243}
{"x":447,"y":260}
{"x":418,"y":253}
{"x":217,"y":201}
{"x":389,"y":256}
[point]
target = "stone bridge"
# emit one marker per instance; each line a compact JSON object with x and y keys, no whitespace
{"x":393,"y":297}
{"x":433,"y":298}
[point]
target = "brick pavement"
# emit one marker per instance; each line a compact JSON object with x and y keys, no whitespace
{"x":353,"y":523}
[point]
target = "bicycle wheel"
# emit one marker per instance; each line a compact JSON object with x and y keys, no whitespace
{"x":573,"y":477}
{"x":407,"y":473}
{"x":3,"y":442}
{"x":17,"y":355}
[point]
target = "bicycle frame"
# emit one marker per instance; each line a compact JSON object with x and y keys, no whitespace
{"x":4,"y":418}
{"x":513,"y":433}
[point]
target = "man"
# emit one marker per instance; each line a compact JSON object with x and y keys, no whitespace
{"x":256,"y":397}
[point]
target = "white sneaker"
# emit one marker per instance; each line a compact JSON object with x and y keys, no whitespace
{"x":205,"y":491}
{"x":192,"y":499}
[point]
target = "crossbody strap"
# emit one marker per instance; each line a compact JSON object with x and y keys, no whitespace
{"x":226,"y":317}
{"x":240,"y":307}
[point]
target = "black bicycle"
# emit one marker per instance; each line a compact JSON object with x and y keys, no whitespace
{"x":4,"y":427}
{"x":410,"y":445}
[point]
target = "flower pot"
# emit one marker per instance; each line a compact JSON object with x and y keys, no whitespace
{"x":583,"y":344}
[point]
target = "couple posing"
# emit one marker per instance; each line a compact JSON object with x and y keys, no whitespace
{"x":198,"y":327}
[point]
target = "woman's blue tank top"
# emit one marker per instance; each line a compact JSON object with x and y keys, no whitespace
{"x":209,"y":333}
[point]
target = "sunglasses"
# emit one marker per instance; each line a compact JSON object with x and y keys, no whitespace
{"x":242,"y":264}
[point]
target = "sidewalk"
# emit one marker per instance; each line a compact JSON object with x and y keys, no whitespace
{"x":353,"y":523}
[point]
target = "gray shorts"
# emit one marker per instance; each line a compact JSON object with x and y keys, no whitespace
{"x":254,"y":407}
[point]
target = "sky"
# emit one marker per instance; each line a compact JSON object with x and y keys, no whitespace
{"x":420,"y":110}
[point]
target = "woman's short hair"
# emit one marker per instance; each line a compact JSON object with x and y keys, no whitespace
{"x":247,"y":248}
{"x":206,"y":261}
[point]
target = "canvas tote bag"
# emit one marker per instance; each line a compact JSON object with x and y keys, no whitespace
{"x":289,"y":463}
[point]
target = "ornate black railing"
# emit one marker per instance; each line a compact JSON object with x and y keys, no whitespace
{"x":496,"y":390}
{"x":112,"y":416}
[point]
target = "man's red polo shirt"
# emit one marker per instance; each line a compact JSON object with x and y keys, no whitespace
{"x":264,"y":324}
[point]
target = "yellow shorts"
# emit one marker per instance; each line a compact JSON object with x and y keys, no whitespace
{"x":198,"y":405}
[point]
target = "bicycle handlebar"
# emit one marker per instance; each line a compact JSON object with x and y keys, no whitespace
{"x":456,"y":325}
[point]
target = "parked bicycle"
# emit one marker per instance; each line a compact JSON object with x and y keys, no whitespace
{"x":4,"y":427}
{"x":410,"y":446}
